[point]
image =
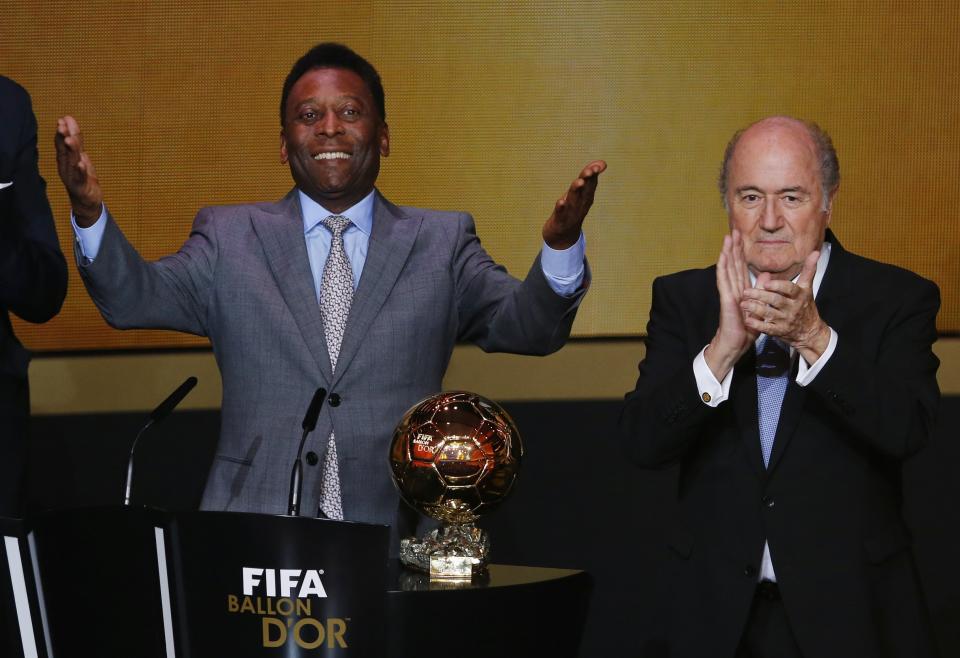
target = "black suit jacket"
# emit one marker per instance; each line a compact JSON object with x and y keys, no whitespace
{"x":33,"y":275}
{"x":829,"y":503}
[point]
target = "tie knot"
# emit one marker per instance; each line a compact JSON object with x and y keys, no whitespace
{"x":773,"y":357}
{"x":336,"y":224}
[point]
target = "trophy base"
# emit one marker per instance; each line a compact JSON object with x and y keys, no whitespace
{"x":456,"y":552}
{"x":412,"y":580}
{"x":454,"y":566}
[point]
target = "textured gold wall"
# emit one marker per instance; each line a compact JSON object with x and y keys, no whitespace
{"x":493,"y":107}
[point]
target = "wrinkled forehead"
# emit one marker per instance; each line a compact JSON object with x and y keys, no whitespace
{"x":776,"y":147}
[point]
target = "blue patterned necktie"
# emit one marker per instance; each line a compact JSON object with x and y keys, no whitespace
{"x":336,"y":296}
{"x":773,"y":372}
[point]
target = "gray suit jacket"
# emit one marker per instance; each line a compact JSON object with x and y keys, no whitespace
{"x":243,"y":279}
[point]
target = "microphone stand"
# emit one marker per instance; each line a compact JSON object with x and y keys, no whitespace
{"x":156,"y":416}
{"x":296,"y":476}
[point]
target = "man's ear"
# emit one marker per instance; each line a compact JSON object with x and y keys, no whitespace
{"x":385,"y":140}
{"x":283,"y":148}
{"x":828,"y":211}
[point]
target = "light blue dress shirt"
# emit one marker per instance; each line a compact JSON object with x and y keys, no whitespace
{"x":563,"y":269}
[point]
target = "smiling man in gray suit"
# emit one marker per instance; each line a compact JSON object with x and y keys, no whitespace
{"x":265,"y":283}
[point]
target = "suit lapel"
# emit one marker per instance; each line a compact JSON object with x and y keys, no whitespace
{"x":281,"y":234}
{"x":790,"y":413}
{"x":831,"y":290}
{"x":744,"y":395}
{"x":391,"y":240}
{"x":835,"y":287}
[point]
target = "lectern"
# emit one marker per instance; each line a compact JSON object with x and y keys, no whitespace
{"x":140,"y":582}
{"x":127,"y":581}
{"x":256,"y":585}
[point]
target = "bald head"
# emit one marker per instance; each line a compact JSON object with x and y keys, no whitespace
{"x":824,"y":153}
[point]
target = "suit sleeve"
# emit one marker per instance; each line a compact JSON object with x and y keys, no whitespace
{"x":663,"y":416}
{"x":33,"y":272}
{"x":888,"y":400}
{"x":502,"y":314}
{"x":171,"y":293}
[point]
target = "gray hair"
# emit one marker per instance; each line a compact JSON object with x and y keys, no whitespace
{"x":826,"y":154}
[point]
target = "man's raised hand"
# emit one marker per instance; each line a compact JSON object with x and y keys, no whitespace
{"x":562,"y":230}
{"x":77,"y":172}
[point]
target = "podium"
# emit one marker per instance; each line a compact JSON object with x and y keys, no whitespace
{"x":100,"y":576}
{"x":257,"y":585}
{"x":143,"y":582}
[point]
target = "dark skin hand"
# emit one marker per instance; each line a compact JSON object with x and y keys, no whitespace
{"x":77,"y":173}
{"x":562,"y":230}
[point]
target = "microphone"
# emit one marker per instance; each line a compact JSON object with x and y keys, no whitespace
{"x":296,"y":476}
{"x":158,"y":414}
{"x":165,"y":407}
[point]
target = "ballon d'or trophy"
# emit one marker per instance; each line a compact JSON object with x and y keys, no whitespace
{"x":454,"y":457}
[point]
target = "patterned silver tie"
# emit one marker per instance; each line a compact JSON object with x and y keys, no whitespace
{"x":336,"y":295}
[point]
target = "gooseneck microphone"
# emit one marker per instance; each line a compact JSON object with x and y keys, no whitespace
{"x":158,"y":414}
{"x":296,"y":476}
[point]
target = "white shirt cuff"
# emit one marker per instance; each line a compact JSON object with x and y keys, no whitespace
{"x":805,"y":373}
{"x":712,"y":392}
{"x":90,"y":238}
{"x":563,"y":268}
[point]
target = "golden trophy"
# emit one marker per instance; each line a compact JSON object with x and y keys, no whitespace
{"x":454,"y":457}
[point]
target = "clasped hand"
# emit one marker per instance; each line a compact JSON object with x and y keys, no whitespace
{"x":777,"y":308}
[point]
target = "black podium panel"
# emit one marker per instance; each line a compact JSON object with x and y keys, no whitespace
{"x":256,"y":585}
{"x":101,"y":580}
{"x":21,"y":631}
{"x":139,"y":582}
{"x":514,"y":611}
{"x":11,"y":643}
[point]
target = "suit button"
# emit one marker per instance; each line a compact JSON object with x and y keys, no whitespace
{"x":334,"y":400}
{"x":768,"y":501}
{"x":750,"y":571}
{"x":312,"y":458}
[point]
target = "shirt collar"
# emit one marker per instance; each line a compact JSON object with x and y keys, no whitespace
{"x":359,"y":214}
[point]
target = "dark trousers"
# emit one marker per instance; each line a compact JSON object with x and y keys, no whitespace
{"x":767,"y":634}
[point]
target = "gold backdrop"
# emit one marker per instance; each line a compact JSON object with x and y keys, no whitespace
{"x":494,"y":107}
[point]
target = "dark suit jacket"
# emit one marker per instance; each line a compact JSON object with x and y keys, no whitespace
{"x":243,"y":279}
{"x":829,"y":503}
{"x":33,"y":274}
